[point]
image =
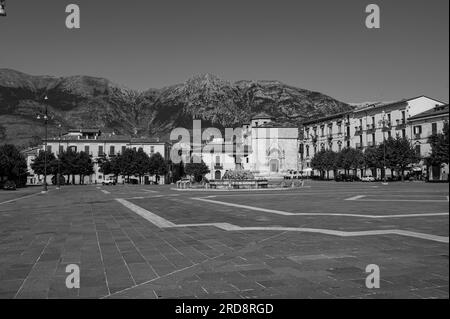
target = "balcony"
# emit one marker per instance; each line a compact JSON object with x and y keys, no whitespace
{"x":387,"y":126}
{"x":401,"y":124}
{"x":347,"y":137}
{"x":358,"y":130}
{"x":218,"y":166}
{"x":417,"y":136}
{"x":370,"y":128}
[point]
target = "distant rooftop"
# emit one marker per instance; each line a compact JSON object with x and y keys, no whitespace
{"x":438,"y":110}
{"x":384,"y":105}
{"x":262,"y":115}
{"x":278,"y":124}
{"x":326,"y":118}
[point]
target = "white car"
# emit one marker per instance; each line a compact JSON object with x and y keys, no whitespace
{"x":368,"y":179}
{"x":109,"y":181}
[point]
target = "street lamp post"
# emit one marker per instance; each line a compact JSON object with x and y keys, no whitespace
{"x":384,"y":146}
{"x":45,"y":118}
{"x":58,"y":177}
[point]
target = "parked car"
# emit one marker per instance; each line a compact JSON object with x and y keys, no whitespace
{"x":9,"y":186}
{"x":109,"y":181}
{"x":367,"y":179}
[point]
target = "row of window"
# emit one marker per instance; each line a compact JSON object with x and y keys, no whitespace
{"x":112,"y":149}
{"x":330,"y":125}
{"x":418,"y":129}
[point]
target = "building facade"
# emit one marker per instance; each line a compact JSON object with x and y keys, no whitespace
{"x":98,"y":145}
{"x":268,"y":149}
{"x":421,"y":127}
{"x":364,"y":127}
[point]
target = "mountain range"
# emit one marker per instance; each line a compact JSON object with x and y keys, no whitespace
{"x":92,"y":102}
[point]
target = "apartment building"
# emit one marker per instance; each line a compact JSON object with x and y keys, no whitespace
{"x":365,"y":126}
{"x":327,"y":133}
{"x":98,"y":143}
{"x":421,"y":127}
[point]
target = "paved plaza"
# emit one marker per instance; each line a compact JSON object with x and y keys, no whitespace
{"x":140,"y":241}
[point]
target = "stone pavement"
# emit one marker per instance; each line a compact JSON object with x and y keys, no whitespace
{"x":123,"y":255}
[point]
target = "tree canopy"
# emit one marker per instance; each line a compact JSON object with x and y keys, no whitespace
{"x":13,"y":165}
{"x":439,"y":147}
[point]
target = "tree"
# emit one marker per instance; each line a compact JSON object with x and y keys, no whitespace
{"x":318,"y":162}
{"x":105,"y":166}
{"x":325,"y":161}
{"x":68,"y":164}
{"x":157,"y":165}
{"x":13,"y":165}
{"x":142,"y":163}
{"x":38,"y":165}
{"x":109,"y":166}
{"x":197,"y":170}
{"x":127,"y":163}
{"x":330,"y":162}
{"x":400,"y":154}
{"x":373,"y":159}
{"x":84,"y":165}
{"x":350,"y":159}
{"x":439,"y":147}
{"x":177,"y":171}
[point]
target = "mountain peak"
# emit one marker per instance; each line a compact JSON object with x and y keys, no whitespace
{"x":85,"y":101}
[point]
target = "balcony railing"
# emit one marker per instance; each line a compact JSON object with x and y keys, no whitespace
{"x":401,"y":124}
{"x":418,"y":136}
{"x":358,"y":130}
{"x":218,"y":166}
{"x":387,"y":126}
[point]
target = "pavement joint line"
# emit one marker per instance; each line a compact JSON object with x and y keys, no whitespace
{"x":163,"y":276}
{"x":149,"y":190}
{"x":101,"y":253}
{"x":154,"y":196}
{"x":279,"y":212}
{"x":34,"y":265}
{"x":151,"y":217}
{"x":404,"y":200}
{"x":238,"y":190}
{"x":164,"y":223}
{"x":356,"y":197}
{"x":366,"y":192}
{"x":22,"y":197}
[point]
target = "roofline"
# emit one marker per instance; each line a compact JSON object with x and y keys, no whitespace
{"x":102,"y":141}
{"x":429,"y":115}
{"x":374,"y":107}
{"x":327,"y":118}
{"x":414,"y":119}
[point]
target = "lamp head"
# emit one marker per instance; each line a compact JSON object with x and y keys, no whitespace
{"x":2,"y":10}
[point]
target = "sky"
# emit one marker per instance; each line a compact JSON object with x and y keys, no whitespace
{"x":315,"y":44}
